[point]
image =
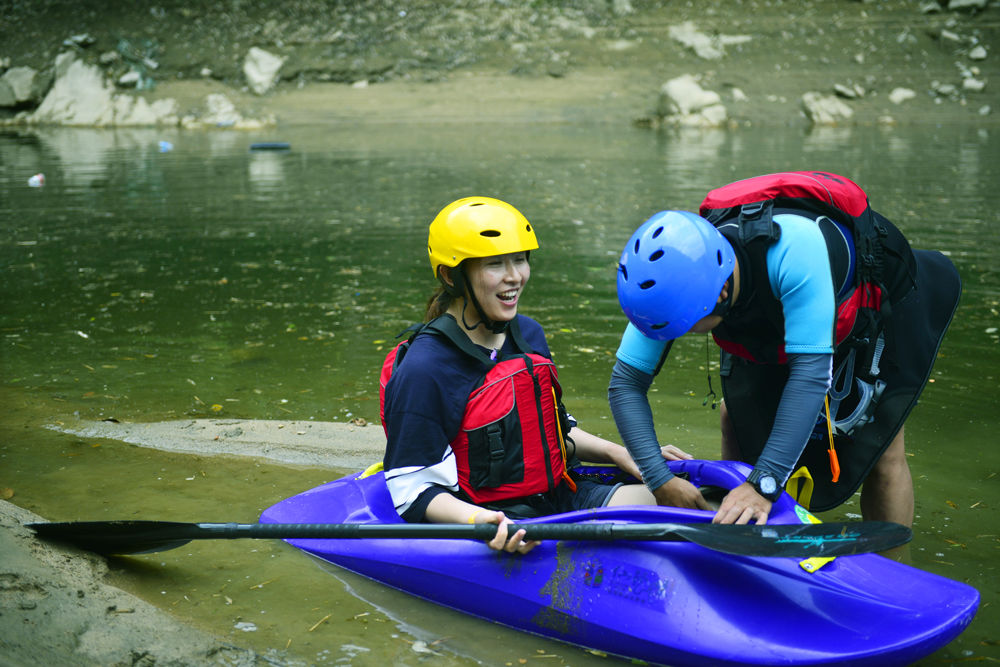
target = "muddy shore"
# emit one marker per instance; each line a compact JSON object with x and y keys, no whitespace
{"x":55,"y":607}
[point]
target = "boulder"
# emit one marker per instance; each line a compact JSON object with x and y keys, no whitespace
{"x":684,"y":102}
{"x":7,"y":96}
{"x":900,"y":95}
{"x":973,"y":85}
{"x":81,"y":96}
{"x":78,"y":97}
{"x":25,"y":82}
{"x":136,"y":111}
{"x":825,"y":109}
{"x":261,"y":69}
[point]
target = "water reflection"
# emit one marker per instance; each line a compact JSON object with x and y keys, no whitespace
{"x":266,"y":169}
{"x":144,"y":285}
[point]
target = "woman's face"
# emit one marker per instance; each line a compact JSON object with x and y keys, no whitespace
{"x":498,"y":282}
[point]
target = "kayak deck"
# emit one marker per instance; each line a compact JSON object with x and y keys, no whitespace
{"x":662,"y":602}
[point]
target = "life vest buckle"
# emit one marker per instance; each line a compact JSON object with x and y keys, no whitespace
{"x":756,"y":221}
{"x":496,"y":448}
{"x":865,"y":409}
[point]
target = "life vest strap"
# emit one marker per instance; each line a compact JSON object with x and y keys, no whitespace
{"x":800,"y":486}
{"x":497,"y":452}
{"x":570,"y":482}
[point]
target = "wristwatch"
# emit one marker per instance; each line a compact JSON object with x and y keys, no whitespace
{"x":765,"y":484}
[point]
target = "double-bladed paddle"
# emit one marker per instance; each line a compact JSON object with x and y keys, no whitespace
{"x":779,"y":540}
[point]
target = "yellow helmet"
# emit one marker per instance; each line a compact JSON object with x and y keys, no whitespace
{"x":477,"y":227}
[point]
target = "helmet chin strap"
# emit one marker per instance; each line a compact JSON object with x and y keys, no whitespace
{"x":460,"y":287}
{"x":494,"y":327}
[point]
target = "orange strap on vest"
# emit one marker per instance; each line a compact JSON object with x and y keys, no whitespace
{"x":834,"y":461}
{"x":562,"y":447}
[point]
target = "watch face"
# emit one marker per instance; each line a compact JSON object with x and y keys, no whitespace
{"x":768,"y":485}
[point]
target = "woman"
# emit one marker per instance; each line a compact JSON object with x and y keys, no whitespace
{"x":472,"y":413}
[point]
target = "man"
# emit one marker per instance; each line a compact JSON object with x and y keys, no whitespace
{"x":828,"y":323}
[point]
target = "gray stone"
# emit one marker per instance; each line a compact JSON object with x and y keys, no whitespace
{"x":261,"y":69}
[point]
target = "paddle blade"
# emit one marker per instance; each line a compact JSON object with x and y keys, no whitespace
{"x":118,"y":537}
{"x":798,"y":540}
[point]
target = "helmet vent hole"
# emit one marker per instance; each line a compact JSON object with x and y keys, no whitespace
{"x":646,"y":284}
{"x":635,"y":247}
{"x":656,"y":255}
{"x":492,"y":233}
{"x":659,"y":230}
{"x":718,"y":257}
{"x":527,"y":228}
{"x":624,"y":271}
{"x":661,"y":325}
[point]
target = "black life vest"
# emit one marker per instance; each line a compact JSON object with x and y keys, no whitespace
{"x":510,"y":443}
{"x":870,"y":396}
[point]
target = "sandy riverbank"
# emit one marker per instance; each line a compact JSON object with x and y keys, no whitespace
{"x":55,"y":608}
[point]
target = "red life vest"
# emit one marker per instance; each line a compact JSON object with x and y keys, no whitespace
{"x":510,"y":442}
{"x":884,"y":271}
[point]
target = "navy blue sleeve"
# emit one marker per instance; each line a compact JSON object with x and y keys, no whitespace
{"x":801,"y":401}
{"x":424,"y":402}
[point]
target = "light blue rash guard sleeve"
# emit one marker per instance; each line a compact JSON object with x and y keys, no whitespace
{"x":798,"y":269}
{"x":640,"y":352}
{"x":638,"y":359}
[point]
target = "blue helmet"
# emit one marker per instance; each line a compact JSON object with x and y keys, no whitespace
{"x":671,"y":273}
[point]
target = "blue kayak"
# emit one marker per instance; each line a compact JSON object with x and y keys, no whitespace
{"x":673,"y":603}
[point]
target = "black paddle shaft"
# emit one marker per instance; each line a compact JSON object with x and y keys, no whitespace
{"x":780,"y":540}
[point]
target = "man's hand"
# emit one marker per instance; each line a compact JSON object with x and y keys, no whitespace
{"x":680,"y":493}
{"x":742,"y":505}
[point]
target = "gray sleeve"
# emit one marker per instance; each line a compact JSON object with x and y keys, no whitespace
{"x":634,"y":418}
{"x":801,"y":401}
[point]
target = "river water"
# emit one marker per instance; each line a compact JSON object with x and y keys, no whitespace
{"x":209,"y":280}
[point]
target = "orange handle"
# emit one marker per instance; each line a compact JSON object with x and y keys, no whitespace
{"x":834,"y":464}
{"x":834,"y":461}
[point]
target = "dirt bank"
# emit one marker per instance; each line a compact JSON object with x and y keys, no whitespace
{"x":351,"y":446}
{"x":55,"y":608}
{"x":584,"y":59}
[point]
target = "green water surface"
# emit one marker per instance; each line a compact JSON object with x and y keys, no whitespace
{"x":214,"y":281}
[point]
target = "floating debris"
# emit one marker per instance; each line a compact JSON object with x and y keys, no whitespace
{"x":319,"y":622}
{"x":271,"y":146}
